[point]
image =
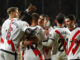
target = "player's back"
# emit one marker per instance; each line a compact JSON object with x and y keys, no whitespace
{"x":12,"y":32}
{"x":4,"y":32}
{"x":59,"y":36}
{"x":35,"y":52}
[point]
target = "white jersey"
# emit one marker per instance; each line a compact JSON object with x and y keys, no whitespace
{"x":35,"y":52}
{"x":12,"y":32}
{"x":57,"y":38}
{"x":74,"y":44}
{"x":59,"y":35}
{"x":47,"y":50}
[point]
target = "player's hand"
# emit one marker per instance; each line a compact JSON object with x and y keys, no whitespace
{"x":31,"y":8}
{"x":27,"y":42}
{"x":18,"y":51}
{"x":47,"y":32}
{"x":34,"y":40}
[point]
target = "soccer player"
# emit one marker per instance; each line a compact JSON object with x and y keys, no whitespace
{"x":47,"y":28}
{"x":34,"y":50}
{"x":57,"y":38}
{"x":12,"y":31}
{"x":74,"y":38}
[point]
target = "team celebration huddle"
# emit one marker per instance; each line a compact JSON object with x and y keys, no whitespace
{"x":28,"y":35}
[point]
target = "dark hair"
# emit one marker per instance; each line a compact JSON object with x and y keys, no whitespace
{"x":43,"y":15}
{"x":47,"y":17}
{"x":71,"y":17}
{"x":35,"y":16}
{"x":60,"y":18}
{"x":11,"y":9}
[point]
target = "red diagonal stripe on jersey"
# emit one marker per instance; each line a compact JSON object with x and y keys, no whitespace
{"x":74,"y":40}
{"x":72,"y":44}
{"x":59,"y":33}
{"x":37,"y":52}
{"x":75,"y":49}
{"x":65,"y":43}
{"x":2,"y":41}
{"x":23,"y":55}
{"x":12,"y":44}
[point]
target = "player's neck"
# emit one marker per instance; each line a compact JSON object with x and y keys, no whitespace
{"x":60,"y":25}
{"x":34,"y":24}
{"x":11,"y":17}
{"x":72,"y":28}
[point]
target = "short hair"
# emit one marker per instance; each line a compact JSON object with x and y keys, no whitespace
{"x":71,"y":17}
{"x":35,"y":16}
{"x":47,"y":17}
{"x":43,"y":15}
{"x":11,"y":9}
{"x":60,"y":18}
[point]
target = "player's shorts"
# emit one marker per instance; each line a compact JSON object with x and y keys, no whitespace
{"x":6,"y":55}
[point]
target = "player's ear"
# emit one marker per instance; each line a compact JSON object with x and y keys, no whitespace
{"x":64,"y":22}
{"x":56,"y":21}
{"x":73,"y":21}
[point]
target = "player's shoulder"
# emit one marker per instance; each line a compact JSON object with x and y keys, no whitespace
{"x":58,"y":29}
{"x":77,"y":28}
{"x":66,"y":29}
{"x":20,"y":22}
{"x":51,"y":29}
{"x":62,"y":29}
{"x":39,"y":27}
{"x":7,"y":21}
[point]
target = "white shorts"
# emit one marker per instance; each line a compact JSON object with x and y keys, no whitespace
{"x":6,"y":56}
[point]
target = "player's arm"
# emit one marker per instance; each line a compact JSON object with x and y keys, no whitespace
{"x":30,"y":36}
{"x":30,"y":32}
{"x":47,"y":43}
{"x":25,"y":43}
{"x":50,"y":40}
{"x":26,"y":15}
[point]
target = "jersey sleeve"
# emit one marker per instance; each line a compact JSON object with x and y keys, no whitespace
{"x":51,"y":39}
{"x":23,"y":25}
{"x":41,"y":33}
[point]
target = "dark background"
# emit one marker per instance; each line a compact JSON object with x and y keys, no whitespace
{"x":50,"y":7}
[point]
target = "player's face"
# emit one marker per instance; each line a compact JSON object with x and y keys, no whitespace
{"x":16,"y":14}
{"x":41,"y":21}
{"x":45,"y":21}
{"x":68,"y":22}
